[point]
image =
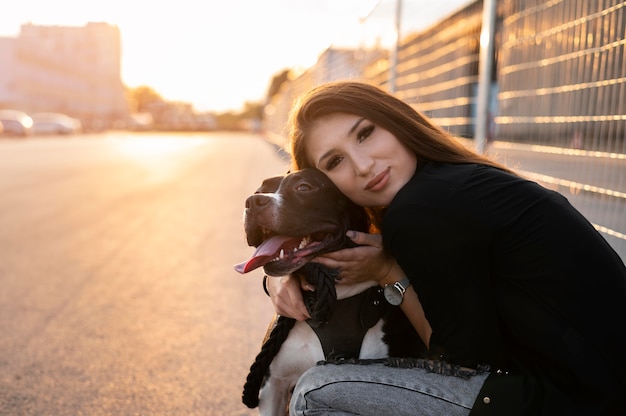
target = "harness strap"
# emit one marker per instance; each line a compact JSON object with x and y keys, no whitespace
{"x":342,"y":335}
{"x":329,"y":318}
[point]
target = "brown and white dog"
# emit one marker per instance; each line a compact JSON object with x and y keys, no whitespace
{"x":290,"y":220}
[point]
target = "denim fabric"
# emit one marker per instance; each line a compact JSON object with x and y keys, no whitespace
{"x":349,"y":389}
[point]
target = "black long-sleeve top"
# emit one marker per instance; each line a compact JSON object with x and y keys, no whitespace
{"x":512,"y":276}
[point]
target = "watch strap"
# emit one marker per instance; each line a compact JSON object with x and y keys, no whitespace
{"x":404,"y":283}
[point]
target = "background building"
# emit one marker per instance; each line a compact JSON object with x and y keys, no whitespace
{"x":72,"y":70}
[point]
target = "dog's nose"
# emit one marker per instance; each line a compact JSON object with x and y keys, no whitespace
{"x":257,"y":201}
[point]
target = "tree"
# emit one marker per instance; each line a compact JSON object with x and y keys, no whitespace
{"x":142,"y":98}
{"x":277,"y":81}
{"x":252,"y":110}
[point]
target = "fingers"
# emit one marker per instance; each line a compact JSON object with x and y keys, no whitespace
{"x":306,"y":286}
{"x":330,"y":260}
{"x":367,"y":261}
{"x":297,"y":313}
{"x":365,"y":239}
{"x":287,"y":298}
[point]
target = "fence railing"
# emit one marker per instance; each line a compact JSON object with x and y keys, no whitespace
{"x":562,"y":87}
{"x":558,"y":106}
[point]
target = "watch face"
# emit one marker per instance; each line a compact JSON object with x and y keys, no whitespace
{"x":392,"y":295}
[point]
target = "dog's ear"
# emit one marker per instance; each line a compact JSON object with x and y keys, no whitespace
{"x":270,"y":185}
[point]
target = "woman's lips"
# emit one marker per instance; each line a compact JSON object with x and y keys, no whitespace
{"x":379,"y":181}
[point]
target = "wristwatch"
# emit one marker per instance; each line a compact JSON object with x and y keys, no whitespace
{"x":394,"y":293}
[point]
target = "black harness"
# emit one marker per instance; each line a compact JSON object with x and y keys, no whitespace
{"x":342,"y":335}
{"x":340,"y":325}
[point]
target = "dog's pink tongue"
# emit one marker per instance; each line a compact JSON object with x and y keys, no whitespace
{"x":266,"y":252}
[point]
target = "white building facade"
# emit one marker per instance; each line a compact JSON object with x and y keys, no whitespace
{"x":72,"y":70}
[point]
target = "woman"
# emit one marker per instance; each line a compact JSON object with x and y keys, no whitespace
{"x":509,"y":275}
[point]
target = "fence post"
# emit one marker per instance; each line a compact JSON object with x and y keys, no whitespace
{"x":485,"y":65}
{"x":393,"y":68}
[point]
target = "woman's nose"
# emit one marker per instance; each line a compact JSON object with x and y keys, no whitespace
{"x":362,"y":164}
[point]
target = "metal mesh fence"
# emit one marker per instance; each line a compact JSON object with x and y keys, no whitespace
{"x":558,"y":107}
{"x":562,"y":91}
{"x":438,"y":70}
{"x":562,"y":73}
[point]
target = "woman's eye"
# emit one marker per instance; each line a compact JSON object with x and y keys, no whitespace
{"x":333,"y":162}
{"x":364,"y":133}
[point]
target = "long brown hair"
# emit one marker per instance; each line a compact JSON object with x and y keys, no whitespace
{"x":416,"y":131}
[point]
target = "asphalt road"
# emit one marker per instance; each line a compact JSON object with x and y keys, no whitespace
{"x":117,"y":291}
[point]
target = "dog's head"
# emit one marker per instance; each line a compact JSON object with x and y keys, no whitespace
{"x":293,"y":218}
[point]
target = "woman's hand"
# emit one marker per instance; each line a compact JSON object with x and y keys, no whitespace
{"x":286,"y":295}
{"x":366,"y":262}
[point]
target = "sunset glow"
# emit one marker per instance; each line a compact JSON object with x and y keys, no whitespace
{"x":218,"y":54}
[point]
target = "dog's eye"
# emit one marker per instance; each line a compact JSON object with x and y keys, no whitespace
{"x":304,"y":187}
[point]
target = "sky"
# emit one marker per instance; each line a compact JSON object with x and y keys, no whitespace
{"x":218,"y":54}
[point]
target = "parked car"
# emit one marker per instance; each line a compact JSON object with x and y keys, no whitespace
{"x":55,"y":123}
{"x":16,"y":123}
{"x":140,"y":122}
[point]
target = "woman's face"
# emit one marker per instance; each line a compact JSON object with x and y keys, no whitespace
{"x":366,"y":162}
